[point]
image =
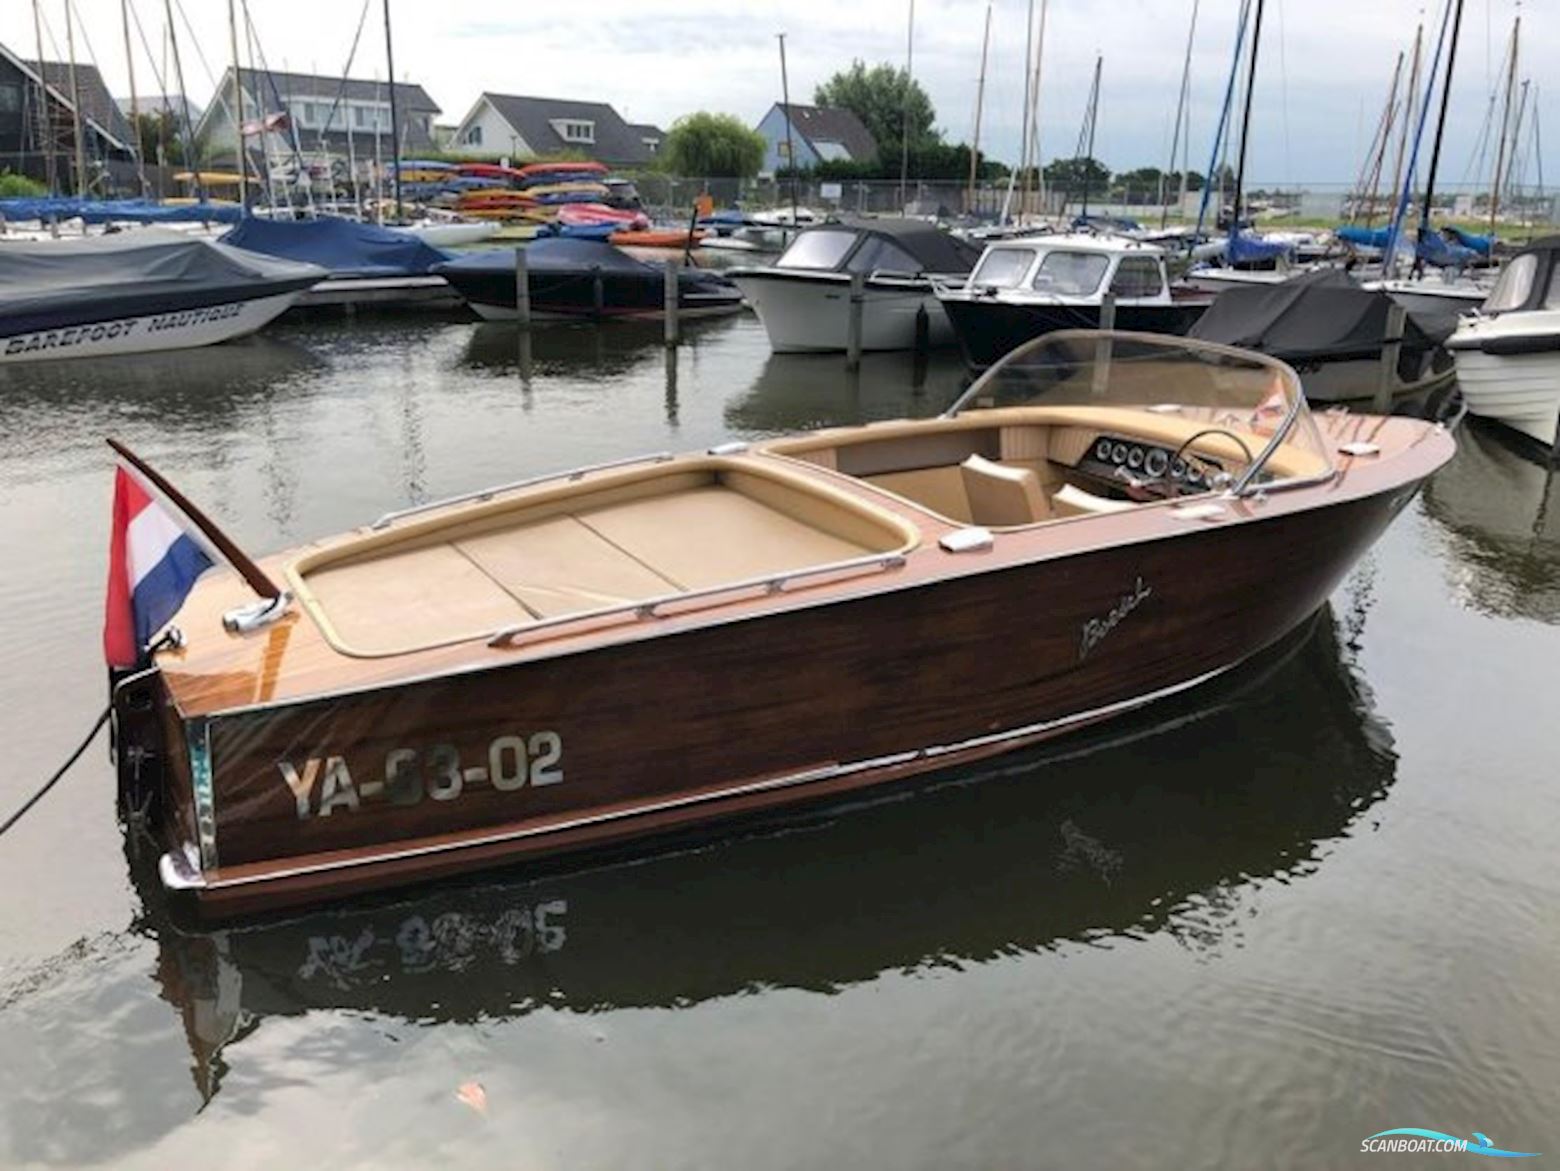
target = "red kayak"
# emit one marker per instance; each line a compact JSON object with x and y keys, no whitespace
{"x":562,"y":168}
{"x":590,"y":214}
{"x":489,"y":171}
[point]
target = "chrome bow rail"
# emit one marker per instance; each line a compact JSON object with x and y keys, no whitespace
{"x":569,"y":476}
{"x":647,"y":608}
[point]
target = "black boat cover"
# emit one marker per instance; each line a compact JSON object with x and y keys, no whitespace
{"x":1320,"y":315}
{"x":937,"y":251}
{"x":345,"y":247}
{"x":553,"y":254}
{"x":39,"y":280}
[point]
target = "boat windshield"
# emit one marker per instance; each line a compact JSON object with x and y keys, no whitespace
{"x":1252,"y":397}
{"x":821,"y":248}
{"x":1002,"y":268}
{"x":1071,"y":274}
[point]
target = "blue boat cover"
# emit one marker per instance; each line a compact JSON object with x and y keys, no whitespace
{"x":1363,"y":237}
{"x":1245,"y":247}
{"x":1480,"y":244}
{"x":1434,"y":248}
{"x":124,"y":211}
{"x":555,"y":254}
{"x":345,"y":247}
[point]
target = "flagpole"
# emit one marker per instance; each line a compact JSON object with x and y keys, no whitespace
{"x":252,"y":574}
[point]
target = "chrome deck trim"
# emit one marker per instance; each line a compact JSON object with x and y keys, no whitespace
{"x":199,"y":732}
{"x":789,"y":780}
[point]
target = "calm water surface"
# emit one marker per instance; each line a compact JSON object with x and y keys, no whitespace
{"x":1248,"y":930}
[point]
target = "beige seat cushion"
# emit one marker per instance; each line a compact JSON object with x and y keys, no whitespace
{"x":1001,"y":495}
{"x":1075,"y":501}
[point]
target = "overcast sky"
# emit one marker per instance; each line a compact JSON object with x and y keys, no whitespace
{"x":1322,"y":79}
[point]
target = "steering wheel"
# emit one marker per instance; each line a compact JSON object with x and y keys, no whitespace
{"x":1180,"y":456}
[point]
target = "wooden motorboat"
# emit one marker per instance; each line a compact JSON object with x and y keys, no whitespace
{"x":583,"y":660}
{"x":1025,"y":287}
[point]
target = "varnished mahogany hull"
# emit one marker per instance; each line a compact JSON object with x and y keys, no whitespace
{"x":667,"y":733}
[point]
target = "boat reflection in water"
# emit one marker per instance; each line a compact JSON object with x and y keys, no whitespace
{"x":1158,"y":825}
{"x":1498,"y":502}
{"x":568,"y":349}
{"x":802,"y":392}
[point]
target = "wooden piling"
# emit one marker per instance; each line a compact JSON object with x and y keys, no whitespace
{"x":673,"y":302}
{"x":598,"y":292}
{"x":1102,"y":347}
{"x":858,"y":287}
{"x":522,"y":290}
{"x":923,"y":331}
{"x":1392,"y":348}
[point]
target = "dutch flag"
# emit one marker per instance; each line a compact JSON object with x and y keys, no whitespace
{"x":155,"y":555}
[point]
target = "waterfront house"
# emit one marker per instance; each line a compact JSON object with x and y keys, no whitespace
{"x":28,"y":138}
{"x":334,"y":119}
{"x":819,"y":133}
{"x":515,"y":127}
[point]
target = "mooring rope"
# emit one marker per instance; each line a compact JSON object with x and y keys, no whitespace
{"x":63,"y":769}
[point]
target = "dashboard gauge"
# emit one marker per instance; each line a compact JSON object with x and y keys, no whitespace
{"x":1118,"y":454}
{"x":1156,"y":462}
{"x":1102,"y":451}
{"x":1178,"y":470}
{"x":1135,"y":458}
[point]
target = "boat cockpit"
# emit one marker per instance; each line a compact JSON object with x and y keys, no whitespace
{"x":1083,"y":423}
{"x":1076,"y":268}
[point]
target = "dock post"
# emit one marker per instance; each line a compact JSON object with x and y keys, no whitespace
{"x":522,"y":290}
{"x":598,"y":292}
{"x":923,"y":331}
{"x":1391,"y":349}
{"x":673,"y":300}
{"x":1102,"y":347}
{"x":858,"y":286}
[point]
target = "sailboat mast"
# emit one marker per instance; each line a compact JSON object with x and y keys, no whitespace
{"x":1440,"y":123}
{"x":1038,"y":173}
{"x":135,"y":104}
{"x":45,"y":118}
{"x":395,"y":121}
{"x":1180,"y":118}
{"x":1408,"y":110}
{"x":790,"y":146}
{"x":1505,"y":121}
{"x":184,"y":106}
{"x":1092,"y":117}
{"x":1245,"y":121}
{"x":238,"y":112}
{"x":980,"y":97}
{"x":1023,"y":146}
{"x":75,"y":101}
{"x":904,"y":132}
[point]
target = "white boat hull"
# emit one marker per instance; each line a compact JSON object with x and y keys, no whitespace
{"x":1520,"y":390}
{"x":813,"y":316}
{"x":147,"y":333}
{"x":452,"y":235}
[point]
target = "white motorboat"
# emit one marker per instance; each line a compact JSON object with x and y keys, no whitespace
{"x":1032,"y":285}
{"x":452,"y":233}
{"x":1440,"y":292}
{"x":1508,"y":352}
{"x":137,"y":292}
{"x":804,"y":298}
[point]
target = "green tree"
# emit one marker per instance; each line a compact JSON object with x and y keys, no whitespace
{"x":14,"y":186}
{"x":1071,"y":175}
{"x":162,"y":138}
{"x":712,"y":146}
{"x":881,"y":97}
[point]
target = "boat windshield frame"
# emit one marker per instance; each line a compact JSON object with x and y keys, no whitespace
{"x":1245,"y":484}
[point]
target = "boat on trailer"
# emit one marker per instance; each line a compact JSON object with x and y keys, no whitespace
{"x":655,"y":645}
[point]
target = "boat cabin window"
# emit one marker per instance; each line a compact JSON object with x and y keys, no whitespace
{"x":1515,"y":283}
{"x":1137,"y":276}
{"x":880,"y":255}
{"x":1002,"y":268}
{"x":1071,"y":274}
{"x":822,"y":249}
